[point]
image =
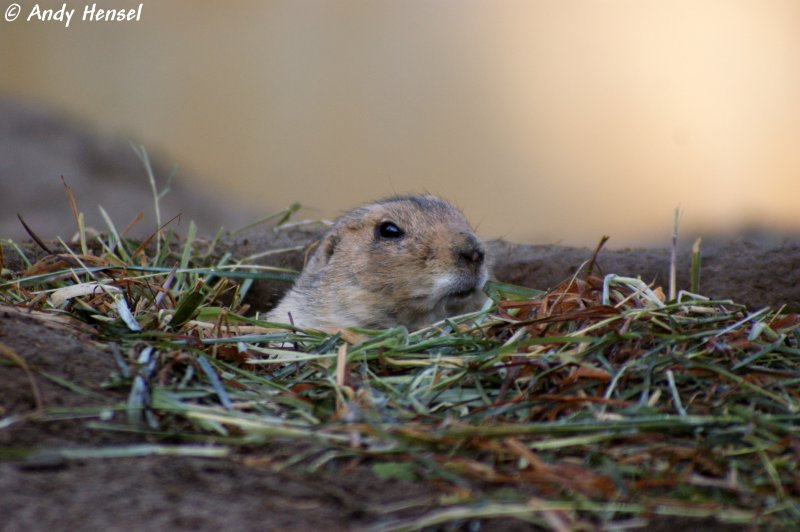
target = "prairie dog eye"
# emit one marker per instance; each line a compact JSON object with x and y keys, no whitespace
{"x":389,"y":230}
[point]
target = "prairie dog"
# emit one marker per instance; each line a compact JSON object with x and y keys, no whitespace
{"x":404,"y":260}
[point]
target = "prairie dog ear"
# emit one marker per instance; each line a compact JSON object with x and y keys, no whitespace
{"x":325,"y":249}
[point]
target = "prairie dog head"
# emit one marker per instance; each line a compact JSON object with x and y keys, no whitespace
{"x":408,"y":260}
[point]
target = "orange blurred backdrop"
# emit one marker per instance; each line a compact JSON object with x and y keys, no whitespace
{"x":546,"y":121}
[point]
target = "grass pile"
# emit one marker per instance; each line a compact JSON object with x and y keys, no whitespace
{"x":599,"y":402}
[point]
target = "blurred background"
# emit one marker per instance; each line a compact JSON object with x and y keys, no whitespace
{"x":545,"y":121}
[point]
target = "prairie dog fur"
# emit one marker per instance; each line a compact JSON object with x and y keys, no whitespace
{"x":404,"y":260}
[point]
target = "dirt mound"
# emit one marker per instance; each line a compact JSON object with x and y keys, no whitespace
{"x":38,"y":146}
{"x":754,"y":272}
{"x":244,"y":492}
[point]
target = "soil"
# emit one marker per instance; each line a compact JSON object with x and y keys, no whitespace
{"x":756,"y":271}
{"x":45,"y":492}
{"x":243,"y":492}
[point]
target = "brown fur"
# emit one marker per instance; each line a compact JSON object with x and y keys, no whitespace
{"x":357,"y":277}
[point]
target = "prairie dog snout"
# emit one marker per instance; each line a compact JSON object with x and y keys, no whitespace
{"x":406,"y":260}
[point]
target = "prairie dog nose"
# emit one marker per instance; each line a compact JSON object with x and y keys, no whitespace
{"x":471,"y":251}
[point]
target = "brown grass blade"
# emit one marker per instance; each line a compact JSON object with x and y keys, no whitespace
{"x":33,"y":235}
